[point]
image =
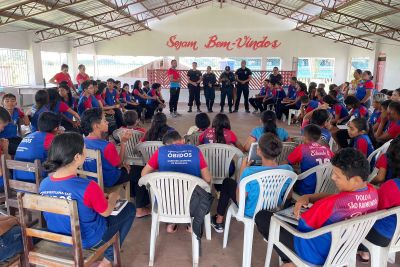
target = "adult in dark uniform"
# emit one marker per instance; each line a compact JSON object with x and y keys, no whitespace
{"x":243,"y":76}
{"x":275,"y":77}
{"x":227,"y":81}
{"x":209,"y":81}
{"x":194,"y":80}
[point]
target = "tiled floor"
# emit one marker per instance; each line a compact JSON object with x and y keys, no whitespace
{"x":175,"y":249}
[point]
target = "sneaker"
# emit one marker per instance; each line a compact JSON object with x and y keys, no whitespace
{"x":247,"y":111}
{"x":255,"y":111}
{"x":222,"y":110}
{"x":198,"y":110}
{"x":218,"y":227}
{"x":230,"y":110}
{"x":235,"y":110}
{"x":177,"y":114}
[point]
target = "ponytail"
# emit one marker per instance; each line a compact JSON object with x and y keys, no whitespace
{"x":221,"y":122}
{"x":268,"y":119}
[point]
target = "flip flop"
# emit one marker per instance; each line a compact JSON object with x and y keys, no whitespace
{"x":362,"y":260}
{"x":173,"y":229}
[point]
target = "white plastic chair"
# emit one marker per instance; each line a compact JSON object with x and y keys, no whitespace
{"x":380,"y":256}
{"x":147,"y":149}
{"x":379,"y":151}
{"x":346,"y":237}
{"x":298,"y":140}
{"x":219,"y":157}
{"x":170,"y":195}
{"x":287,"y":148}
{"x":295,"y":112}
{"x":192,"y":139}
{"x":270,"y":183}
{"x":132,"y":157}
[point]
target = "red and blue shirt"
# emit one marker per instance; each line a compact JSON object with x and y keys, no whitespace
{"x":178,"y":158}
{"x":33,"y":146}
{"x":209,"y":136}
{"x":360,"y":112}
{"x":137,"y":95}
{"x":91,"y":203}
{"x":110,"y":160}
{"x":382,"y":163}
{"x":362,"y":88}
{"x":339,"y":110}
{"x":9,"y":131}
{"x":329,"y":210}
{"x":376,"y":114}
{"x":313,"y":104}
{"x":111,"y":97}
{"x":85,"y":103}
{"x":389,"y":197}
{"x":16,"y":115}
{"x":292,"y":92}
{"x":363,"y":144}
{"x":35,"y":118}
{"x":152,"y":93}
{"x":309,"y":156}
{"x":393,"y":129}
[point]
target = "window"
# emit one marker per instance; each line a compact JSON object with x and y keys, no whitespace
{"x":114,"y":66}
{"x":13,"y":67}
{"x":88,"y":61}
{"x":273,"y":62}
{"x":358,"y":63}
{"x":51,"y":63}
{"x":218,"y":63}
{"x":319,"y":70}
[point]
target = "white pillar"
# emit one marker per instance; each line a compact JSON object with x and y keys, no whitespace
{"x":35,"y":64}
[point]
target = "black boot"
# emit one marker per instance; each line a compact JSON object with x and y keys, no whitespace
{"x":190,"y":109}
{"x":230,"y":110}
{"x":211,"y":105}
{"x":222,"y":110}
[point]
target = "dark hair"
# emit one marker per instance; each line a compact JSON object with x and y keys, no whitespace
{"x":304,"y":99}
{"x":90,"y":117}
{"x":268,"y":118}
{"x":11,"y":96}
{"x":63,"y":150}
{"x":158,"y":127}
{"x":330,"y":100}
{"x":359,"y":71}
{"x":136,"y":85}
{"x":352,"y":163}
{"x":54,"y":97}
{"x":117,"y":82}
{"x":395,"y":106}
{"x":312,"y":86}
{"x":110,"y":80}
{"x":397,"y":90}
{"x":312,"y":132}
{"x":293,"y":79}
{"x":303,"y":86}
{"x":384,"y":91}
{"x":266,"y":80}
{"x":361,"y":124}
{"x":155,"y":86}
{"x":270,"y":145}
{"x":385,"y":104}
{"x":352,"y":101}
{"x":389,"y":93}
{"x":171,"y":137}
{"x":347,"y":83}
{"x":221,"y":122}
{"x":85,"y":85}
{"x":4,"y":115}
{"x":48,"y":121}
{"x":369,"y":74}
{"x":145,"y":83}
{"x":321,"y":91}
{"x":130,"y":117}
{"x":334,"y":93}
{"x":393,"y":156}
{"x":332,"y":86}
{"x":125,"y":84}
{"x":319,"y":117}
{"x":81,"y":66}
{"x":94,"y":83}
{"x":202,"y":121}
{"x":100,"y":88}
{"x":64,"y":66}
{"x":41,"y":99}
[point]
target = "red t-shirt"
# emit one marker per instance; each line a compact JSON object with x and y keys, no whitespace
{"x":393,"y":129}
{"x":208,"y":136}
{"x":174,"y":73}
{"x":82,"y":77}
{"x":63,"y":77}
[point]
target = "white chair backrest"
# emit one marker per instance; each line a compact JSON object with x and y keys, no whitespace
{"x":323,"y":176}
{"x":298,"y":140}
{"x":395,"y":242}
{"x":131,"y":152}
{"x":270,"y":183}
{"x":171,"y":192}
{"x":346,"y":237}
{"x":287,"y":148}
{"x":192,"y":139}
{"x":147,"y":149}
{"x":219,"y":157}
{"x":379,"y":151}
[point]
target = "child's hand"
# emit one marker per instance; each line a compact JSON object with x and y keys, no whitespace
{"x":302,"y":202}
{"x":4,"y":145}
{"x":125,"y":136}
{"x":249,"y":163}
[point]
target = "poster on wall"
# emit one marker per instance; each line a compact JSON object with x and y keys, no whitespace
{"x":215,"y":42}
{"x":380,"y":71}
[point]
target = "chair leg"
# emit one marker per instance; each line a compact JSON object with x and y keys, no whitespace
{"x":270,"y":245}
{"x":227,"y":225}
{"x":195,"y":250}
{"x":289,"y":118}
{"x":379,"y":256}
{"x":207,"y":226}
{"x":392,"y":257}
{"x":117,"y":251}
{"x":248,"y":243}
{"x":153,"y":236}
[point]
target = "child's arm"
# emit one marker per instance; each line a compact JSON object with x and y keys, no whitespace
{"x":124,"y":137}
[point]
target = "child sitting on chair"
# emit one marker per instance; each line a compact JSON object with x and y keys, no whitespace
{"x":309,"y":155}
{"x":350,"y":173}
{"x":3,"y":143}
{"x":10,"y":103}
{"x":202,"y":122}
{"x":9,"y":131}
{"x":269,"y":147}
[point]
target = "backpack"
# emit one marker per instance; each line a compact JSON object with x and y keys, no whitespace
{"x":200,"y":206}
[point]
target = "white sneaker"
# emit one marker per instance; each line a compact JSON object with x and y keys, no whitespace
{"x":177,"y":114}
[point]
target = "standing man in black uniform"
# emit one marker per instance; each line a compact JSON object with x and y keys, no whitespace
{"x":227,"y":81}
{"x":194,"y":81}
{"x":275,"y":77}
{"x":209,"y":81}
{"x":243,"y":76}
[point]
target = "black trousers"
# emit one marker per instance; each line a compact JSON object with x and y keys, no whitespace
{"x":209,"y":94}
{"x":239,"y":89}
{"x":375,"y":238}
{"x":263,"y":220}
{"x":174,"y":98}
{"x":227,"y":92}
{"x":119,"y":120}
{"x":228,"y":192}
{"x":194,"y":95}
{"x":257,"y":103}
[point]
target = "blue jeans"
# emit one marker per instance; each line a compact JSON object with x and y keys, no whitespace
{"x":11,"y":243}
{"x":118,"y":224}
